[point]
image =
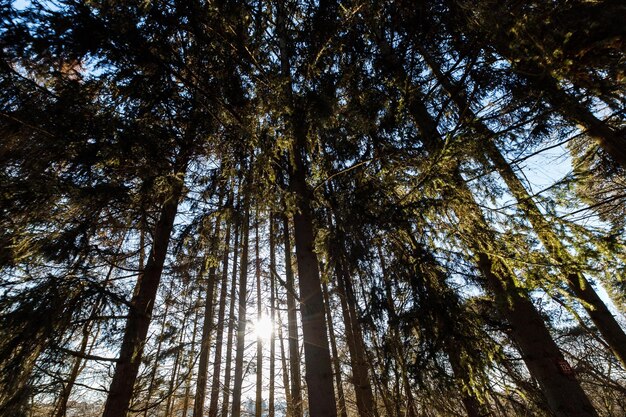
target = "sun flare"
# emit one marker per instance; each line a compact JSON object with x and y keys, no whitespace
{"x":263,"y":328}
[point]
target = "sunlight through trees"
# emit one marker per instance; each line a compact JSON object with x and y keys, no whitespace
{"x":290,"y":208}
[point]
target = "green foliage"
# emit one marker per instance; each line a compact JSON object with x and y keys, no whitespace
{"x":376,"y":117}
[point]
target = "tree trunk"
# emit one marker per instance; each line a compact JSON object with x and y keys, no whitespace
{"x":231,"y":325}
{"x":292,"y":327}
{"x":597,"y":310}
{"x":61,"y":408}
{"x":354,"y":337}
{"x":283,"y":361}
{"x":155,"y":367}
{"x":258,"y":404}
{"x":272,"y":411}
{"x":174,"y":376}
{"x":241,"y":318}
{"x":207,"y":326}
{"x":343,"y":410}
{"x":217,"y":364}
{"x":191,"y":361}
{"x":316,"y":354}
{"x":541,"y":354}
{"x":539,"y":351}
{"x":396,"y":343}
{"x":610,"y":140}
{"x":141,"y":305}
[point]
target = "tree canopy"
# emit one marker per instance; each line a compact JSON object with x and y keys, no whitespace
{"x":408,"y":208}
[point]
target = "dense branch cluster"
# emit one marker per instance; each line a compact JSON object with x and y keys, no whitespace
{"x":357,"y":174}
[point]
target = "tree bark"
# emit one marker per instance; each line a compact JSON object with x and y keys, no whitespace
{"x":207,"y":326}
{"x":258,"y":404}
{"x":292,"y":327}
{"x":141,"y":305}
{"x":241,"y":318}
{"x":219,"y":339}
{"x":231,"y":325}
{"x":285,"y":369}
{"x":272,"y":410}
{"x":343,"y":410}
{"x":316,"y":354}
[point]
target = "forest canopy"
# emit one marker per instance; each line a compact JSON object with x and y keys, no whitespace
{"x":312,"y":208}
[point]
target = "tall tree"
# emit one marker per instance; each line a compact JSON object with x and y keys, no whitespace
{"x":258,"y":404}
{"x":221,"y":315}
{"x":341,"y":397}
{"x":207,"y":326}
{"x":576,"y":280}
{"x":272,"y":359}
{"x":241,"y":316}
{"x":141,"y":305}
{"x":231,"y":320}
{"x":314,"y":329}
{"x":541,"y":354}
{"x":292,"y":325}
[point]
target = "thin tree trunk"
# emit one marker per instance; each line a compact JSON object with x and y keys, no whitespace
{"x":231,"y":325}
{"x":141,"y":305}
{"x":285,"y":369}
{"x":241,"y":319}
{"x":219,"y":340}
{"x":343,"y":410}
{"x":258,"y":405}
{"x":190,"y":362}
{"x":205,"y":341}
{"x":610,"y":140}
{"x":61,"y":408}
{"x":395,"y":340}
{"x":172,"y":387}
{"x":155,"y":367}
{"x":382,"y":381}
{"x":272,"y":410}
{"x":292,"y":327}
{"x":354,"y":338}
